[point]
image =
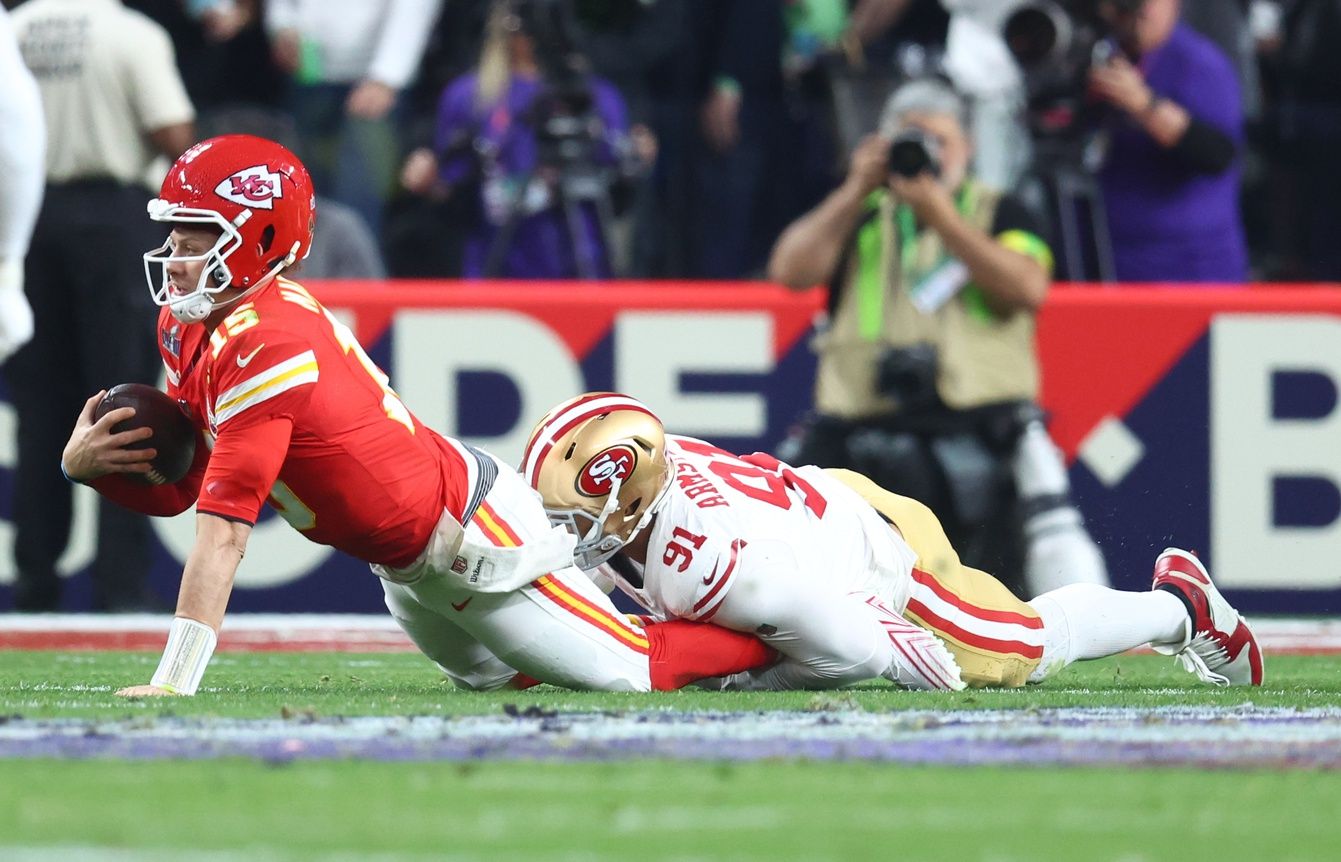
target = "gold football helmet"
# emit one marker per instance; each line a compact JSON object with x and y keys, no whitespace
{"x":599,"y":463}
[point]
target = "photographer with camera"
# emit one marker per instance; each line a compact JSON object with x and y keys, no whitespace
{"x":542,"y":147}
{"x":927,"y":372}
{"x":1171,"y":179}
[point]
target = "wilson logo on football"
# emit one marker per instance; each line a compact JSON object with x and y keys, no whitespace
{"x":255,"y":187}
{"x":615,"y":462}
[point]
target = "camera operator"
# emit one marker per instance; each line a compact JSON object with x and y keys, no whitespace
{"x":543,"y":147}
{"x":927,"y":372}
{"x":1171,"y":180}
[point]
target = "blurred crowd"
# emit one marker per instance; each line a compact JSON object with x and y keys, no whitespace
{"x":936,"y":163}
{"x":678,"y":138}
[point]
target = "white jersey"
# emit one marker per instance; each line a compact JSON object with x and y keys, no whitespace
{"x":735,"y":524}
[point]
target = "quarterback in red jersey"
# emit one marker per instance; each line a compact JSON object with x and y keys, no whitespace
{"x":292,"y":411}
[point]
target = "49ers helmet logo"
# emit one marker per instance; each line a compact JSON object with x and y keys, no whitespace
{"x":596,"y":477}
{"x":255,"y":187}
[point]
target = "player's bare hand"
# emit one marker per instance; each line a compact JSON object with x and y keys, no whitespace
{"x":869,"y":165}
{"x":93,"y":449}
{"x":137,"y":691}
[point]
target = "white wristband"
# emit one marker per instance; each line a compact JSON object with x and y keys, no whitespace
{"x":190,"y":645}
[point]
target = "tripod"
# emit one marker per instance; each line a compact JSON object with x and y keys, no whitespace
{"x":1065,"y":178}
{"x":579,"y":181}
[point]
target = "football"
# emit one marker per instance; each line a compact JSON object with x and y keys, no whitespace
{"x":174,"y":436}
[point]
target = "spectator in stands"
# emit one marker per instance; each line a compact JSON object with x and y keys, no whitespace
{"x":22,"y":142}
{"x":541,"y":147}
{"x":927,"y":372}
{"x":350,"y":60}
{"x":222,"y":50}
{"x":1302,"y":64}
{"x":113,"y":100}
{"x":1171,"y":181}
{"x":761,"y":161}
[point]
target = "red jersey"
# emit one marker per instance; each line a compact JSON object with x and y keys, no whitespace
{"x":300,"y":415}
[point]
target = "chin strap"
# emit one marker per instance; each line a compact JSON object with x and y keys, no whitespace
{"x":198,"y":306}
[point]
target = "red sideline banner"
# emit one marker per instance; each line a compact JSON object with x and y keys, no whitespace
{"x":1205,"y":417}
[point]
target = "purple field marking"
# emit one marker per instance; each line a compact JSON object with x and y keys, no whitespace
{"x":1202,"y":737}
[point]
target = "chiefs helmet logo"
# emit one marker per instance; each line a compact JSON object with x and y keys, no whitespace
{"x":255,"y":187}
{"x":617,"y":462}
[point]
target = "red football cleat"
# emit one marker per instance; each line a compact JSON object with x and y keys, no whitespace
{"x":1219,"y":646}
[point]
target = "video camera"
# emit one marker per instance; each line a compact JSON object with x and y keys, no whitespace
{"x":1056,"y":43}
{"x":563,"y":114}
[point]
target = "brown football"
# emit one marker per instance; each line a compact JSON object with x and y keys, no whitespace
{"x":174,"y":435}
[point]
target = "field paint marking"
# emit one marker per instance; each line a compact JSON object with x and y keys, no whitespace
{"x":1236,"y":737}
{"x":379,"y":633}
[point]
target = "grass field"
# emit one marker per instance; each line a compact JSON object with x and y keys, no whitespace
{"x":659,"y":810}
{"x":784,"y":808}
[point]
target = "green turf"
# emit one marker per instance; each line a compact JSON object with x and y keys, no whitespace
{"x":54,"y":684}
{"x":658,"y":810}
{"x":226,"y":810}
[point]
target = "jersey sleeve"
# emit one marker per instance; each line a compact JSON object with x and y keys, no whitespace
{"x":262,"y":372}
{"x":243,"y":468}
{"x":157,"y":500}
{"x":695,"y":562}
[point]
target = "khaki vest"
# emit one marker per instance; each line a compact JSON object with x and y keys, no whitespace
{"x":981,"y":361}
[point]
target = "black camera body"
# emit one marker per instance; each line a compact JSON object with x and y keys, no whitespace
{"x":908,"y":375}
{"x":914,"y":152}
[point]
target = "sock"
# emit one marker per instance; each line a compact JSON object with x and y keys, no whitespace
{"x":683,"y":652}
{"x":521,"y":682}
{"x":1085,"y":621}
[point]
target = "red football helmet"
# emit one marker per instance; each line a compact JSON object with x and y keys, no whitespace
{"x":259,"y":196}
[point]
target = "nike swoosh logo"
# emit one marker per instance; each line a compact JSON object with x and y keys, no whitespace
{"x":243,"y":361}
{"x":712,"y":576}
{"x":462,"y":606}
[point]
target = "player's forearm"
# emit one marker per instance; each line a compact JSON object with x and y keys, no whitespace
{"x":160,"y":501}
{"x":207,"y":580}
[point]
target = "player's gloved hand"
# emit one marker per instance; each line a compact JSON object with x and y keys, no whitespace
{"x":16,"y":316}
{"x":136,"y":691}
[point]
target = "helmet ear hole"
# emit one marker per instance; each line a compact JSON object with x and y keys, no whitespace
{"x":567,"y":456}
{"x":267,"y":238}
{"x":633,"y":507}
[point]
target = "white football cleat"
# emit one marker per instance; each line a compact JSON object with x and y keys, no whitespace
{"x":1219,"y":647}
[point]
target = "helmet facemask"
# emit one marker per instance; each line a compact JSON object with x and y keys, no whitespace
{"x":195,"y":305}
{"x":600,"y":466}
{"x":594,"y":544}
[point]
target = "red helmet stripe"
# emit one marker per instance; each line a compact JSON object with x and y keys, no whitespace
{"x":586,"y":407}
